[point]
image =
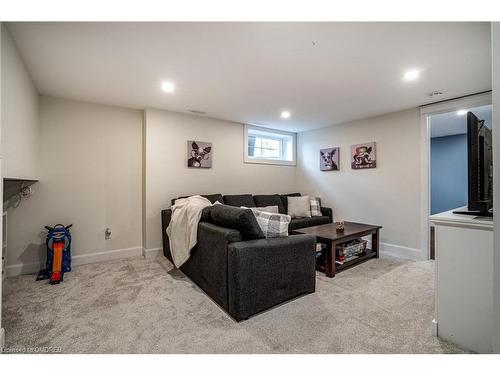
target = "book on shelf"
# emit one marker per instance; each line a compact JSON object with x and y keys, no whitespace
{"x":320,"y":247}
{"x":347,"y":259}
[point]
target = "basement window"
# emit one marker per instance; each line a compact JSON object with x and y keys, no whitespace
{"x":269,"y":146}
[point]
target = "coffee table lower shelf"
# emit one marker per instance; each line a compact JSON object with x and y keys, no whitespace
{"x":340,"y":267}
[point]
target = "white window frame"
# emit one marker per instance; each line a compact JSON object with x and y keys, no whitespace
{"x":256,"y":160}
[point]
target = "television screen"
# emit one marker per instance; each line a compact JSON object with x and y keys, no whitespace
{"x":480,"y":159}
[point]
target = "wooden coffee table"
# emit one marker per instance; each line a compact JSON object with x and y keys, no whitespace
{"x":328,"y":234}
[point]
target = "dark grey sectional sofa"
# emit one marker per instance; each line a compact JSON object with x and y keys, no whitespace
{"x":246,"y":277}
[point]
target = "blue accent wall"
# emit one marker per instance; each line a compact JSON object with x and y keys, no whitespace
{"x":448,"y":172}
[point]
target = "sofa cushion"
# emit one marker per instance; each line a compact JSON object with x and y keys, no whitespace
{"x":211,"y":197}
{"x":299,"y":206}
{"x":298,"y":223}
{"x":318,"y":220}
{"x":174,"y":199}
{"x":205,"y":215}
{"x":284,"y":199}
{"x":214,"y":198}
{"x":305,"y":222}
{"x":239,"y":200}
{"x":269,"y":200}
{"x":237,"y":218}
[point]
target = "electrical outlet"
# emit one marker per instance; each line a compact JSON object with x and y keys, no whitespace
{"x":107,"y":234}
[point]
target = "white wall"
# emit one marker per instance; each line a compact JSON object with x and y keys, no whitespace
{"x":20,"y":130}
{"x":388,"y":195}
{"x":167,"y":175}
{"x":19,"y":121}
{"x":90,"y":175}
{"x":495,"y":44}
{"x":2,"y":333}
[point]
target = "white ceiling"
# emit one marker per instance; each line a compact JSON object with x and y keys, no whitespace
{"x":451,"y":123}
{"x":324,"y":73}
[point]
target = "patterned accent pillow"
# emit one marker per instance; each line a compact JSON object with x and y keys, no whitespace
{"x":270,"y":209}
{"x":272,"y":224}
{"x":315,"y":207}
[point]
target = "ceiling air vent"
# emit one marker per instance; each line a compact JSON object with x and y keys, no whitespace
{"x":435,"y":94}
{"x":196,"y":112}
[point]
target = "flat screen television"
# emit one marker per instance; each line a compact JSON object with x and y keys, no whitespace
{"x":480,"y":168}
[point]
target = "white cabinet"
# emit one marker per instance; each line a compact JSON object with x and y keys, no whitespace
{"x":464,"y":280}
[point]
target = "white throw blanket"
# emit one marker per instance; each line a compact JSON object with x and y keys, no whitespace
{"x":183,"y":228}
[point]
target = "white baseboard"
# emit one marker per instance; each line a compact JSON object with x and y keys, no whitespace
{"x":2,"y":339}
{"x":106,"y":255}
{"x":152,"y":253}
{"x":102,"y":256}
{"x":386,"y":249}
{"x":22,"y":269}
{"x":396,"y":251}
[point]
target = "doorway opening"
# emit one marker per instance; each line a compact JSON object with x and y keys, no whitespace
{"x":448,"y":169}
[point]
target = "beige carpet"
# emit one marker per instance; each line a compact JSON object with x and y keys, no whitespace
{"x":144,"y":306}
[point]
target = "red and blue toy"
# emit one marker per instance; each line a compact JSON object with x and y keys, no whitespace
{"x":58,"y":245}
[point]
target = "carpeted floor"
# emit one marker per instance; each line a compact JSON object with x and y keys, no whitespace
{"x":144,"y":306}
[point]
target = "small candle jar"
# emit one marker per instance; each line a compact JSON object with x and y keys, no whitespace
{"x":339,"y":225}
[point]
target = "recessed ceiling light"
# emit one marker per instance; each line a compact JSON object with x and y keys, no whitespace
{"x":462,"y":112}
{"x":411,"y":75}
{"x":285,"y":114}
{"x":167,"y":86}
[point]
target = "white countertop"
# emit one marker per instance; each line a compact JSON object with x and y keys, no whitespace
{"x":449,"y":218}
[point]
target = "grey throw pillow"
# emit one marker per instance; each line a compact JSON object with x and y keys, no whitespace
{"x":299,"y":207}
{"x":237,"y":218}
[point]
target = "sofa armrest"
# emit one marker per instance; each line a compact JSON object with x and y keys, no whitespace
{"x":326,"y":211}
{"x":227,"y":234}
{"x":265,"y":272}
{"x":166,"y":216}
{"x":207,"y":265}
